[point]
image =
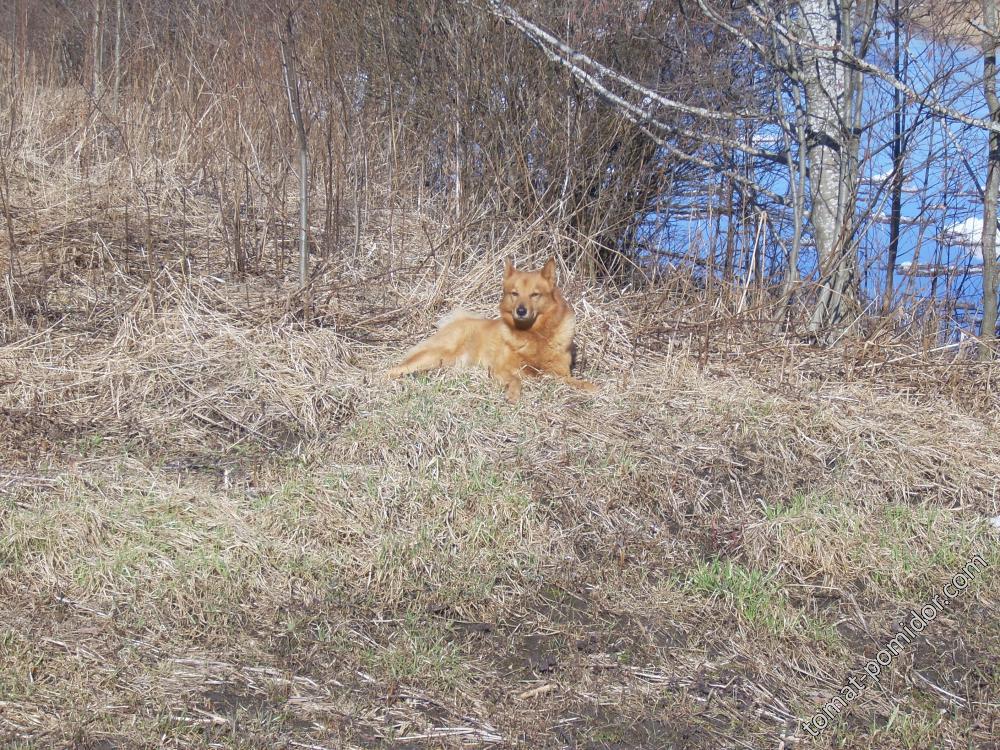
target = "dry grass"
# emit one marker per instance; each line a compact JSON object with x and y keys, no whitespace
{"x":222,"y":528}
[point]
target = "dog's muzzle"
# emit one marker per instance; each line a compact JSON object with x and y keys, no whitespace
{"x":523,"y":318}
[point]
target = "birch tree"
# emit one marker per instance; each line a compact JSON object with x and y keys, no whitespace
{"x":833,"y":94}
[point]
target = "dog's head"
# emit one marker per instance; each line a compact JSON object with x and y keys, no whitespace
{"x":527,"y":295}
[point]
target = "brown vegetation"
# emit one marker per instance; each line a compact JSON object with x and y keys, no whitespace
{"x":219,"y":528}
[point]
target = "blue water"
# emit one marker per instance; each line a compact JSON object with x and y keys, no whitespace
{"x":944,"y":168}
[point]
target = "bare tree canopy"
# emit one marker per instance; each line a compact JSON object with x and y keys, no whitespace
{"x":796,"y":145}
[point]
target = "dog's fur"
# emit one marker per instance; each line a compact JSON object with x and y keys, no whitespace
{"x":533,"y":335}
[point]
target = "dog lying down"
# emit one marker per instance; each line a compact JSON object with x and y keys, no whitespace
{"x":532,"y":336}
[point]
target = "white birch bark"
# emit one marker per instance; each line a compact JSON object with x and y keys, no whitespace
{"x":833,"y":94}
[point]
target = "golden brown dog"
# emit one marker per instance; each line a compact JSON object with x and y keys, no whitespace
{"x":533,"y":335}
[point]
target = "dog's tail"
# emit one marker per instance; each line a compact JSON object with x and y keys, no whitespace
{"x":456,"y":315}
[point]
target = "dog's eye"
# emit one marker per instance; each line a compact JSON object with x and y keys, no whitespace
{"x":535,"y":295}
{"x":513,"y":294}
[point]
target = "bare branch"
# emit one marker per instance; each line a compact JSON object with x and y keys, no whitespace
{"x":573,"y":59}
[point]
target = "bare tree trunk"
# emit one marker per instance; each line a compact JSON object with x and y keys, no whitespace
{"x":824,"y":83}
{"x":295,"y":107}
{"x":989,"y":325}
{"x":727,"y":263}
{"x":4,"y":192}
{"x":833,"y":98}
{"x":797,"y":188}
{"x":98,"y":51}
{"x":824,"y":87}
{"x":15,"y":46}
{"x":898,"y":126}
{"x":119,"y":18}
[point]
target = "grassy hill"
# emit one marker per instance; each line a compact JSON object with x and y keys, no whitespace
{"x":220,"y":526}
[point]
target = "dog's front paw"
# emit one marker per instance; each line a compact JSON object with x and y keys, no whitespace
{"x":513,"y":391}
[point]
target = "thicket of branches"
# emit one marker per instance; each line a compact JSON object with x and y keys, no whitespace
{"x":735,"y":143}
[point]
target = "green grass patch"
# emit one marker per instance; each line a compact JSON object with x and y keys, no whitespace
{"x":416,"y":651}
{"x":755,"y":597}
{"x":892,"y":550}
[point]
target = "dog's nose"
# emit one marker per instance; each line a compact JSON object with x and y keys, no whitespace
{"x":522,"y":311}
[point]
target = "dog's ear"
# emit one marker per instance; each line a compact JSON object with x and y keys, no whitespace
{"x":549,"y":271}
{"x":508,"y":268}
